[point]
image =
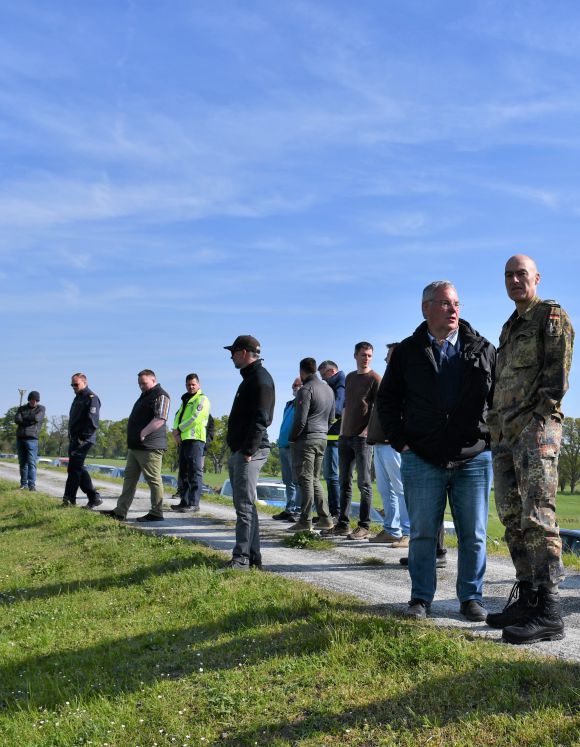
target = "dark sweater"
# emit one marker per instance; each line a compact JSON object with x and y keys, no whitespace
{"x":252,"y":410}
{"x":83,"y":419}
{"x":359,"y":396}
{"x":29,"y":420}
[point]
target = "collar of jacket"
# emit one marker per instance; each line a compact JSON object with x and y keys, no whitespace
{"x":336,"y":380}
{"x":527,"y":314}
{"x":250,"y":368}
{"x":187,"y":397}
{"x":471,"y":341}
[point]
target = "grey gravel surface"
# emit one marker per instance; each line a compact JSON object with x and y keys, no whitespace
{"x":347,"y":568}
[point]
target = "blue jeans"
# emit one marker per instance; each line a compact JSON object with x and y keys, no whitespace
{"x":244,"y":478}
{"x":390,"y":487}
{"x":27,"y":449}
{"x":293,"y":499}
{"x":426,"y":488}
{"x":330,"y":474}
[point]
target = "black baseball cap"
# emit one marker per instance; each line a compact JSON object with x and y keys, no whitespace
{"x":244,"y":342}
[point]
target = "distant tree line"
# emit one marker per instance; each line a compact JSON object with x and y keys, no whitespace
{"x":112,"y":442}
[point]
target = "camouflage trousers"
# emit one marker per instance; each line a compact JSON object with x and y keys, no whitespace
{"x":525,"y":482}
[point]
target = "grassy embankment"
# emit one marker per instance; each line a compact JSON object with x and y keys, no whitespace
{"x":568,"y":509}
{"x":110,"y":636}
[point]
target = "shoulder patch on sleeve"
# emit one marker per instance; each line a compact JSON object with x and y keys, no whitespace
{"x":93,"y":410}
{"x":554,"y":319}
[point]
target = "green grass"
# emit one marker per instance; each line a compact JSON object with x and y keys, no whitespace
{"x":307,"y":541}
{"x":111,"y":636}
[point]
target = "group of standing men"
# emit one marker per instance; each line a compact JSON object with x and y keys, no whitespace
{"x":448,"y":406}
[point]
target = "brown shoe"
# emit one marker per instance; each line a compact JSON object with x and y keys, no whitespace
{"x":300,"y":526}
{"x":323,"y":524}
{"x":360,"y":533}
{"x":401,"y":542}
{"x":384,"y":537}
{"x":336,"y":531}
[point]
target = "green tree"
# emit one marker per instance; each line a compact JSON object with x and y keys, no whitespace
{"x":57,"y":441}
{"x":112,"y":439}
{"x":273,"y":466}
{"x":218,"y":451}
{"x":8,"y":430}
{"x":569,"y":465}
{"x":171,"y":456}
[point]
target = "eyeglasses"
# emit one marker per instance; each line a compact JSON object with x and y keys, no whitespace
{"x":446,"y":305}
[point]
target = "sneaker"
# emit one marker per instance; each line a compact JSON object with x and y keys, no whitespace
{"x":473,"y":610}
{"x":360,"y":533}
{"x":384,"y":537}
{"x":178,"y":506}
{"x":194,"y":509}
{"x":94,"y":502}
{"x":282,"y":516}
{"x":400,"y":543}
{"x":301,"y":525}
{"x":235,"y":565}
{"x":182,"y":509}
{"x":441,"y":561}
{"x":256,"y":565}
{"x":69,"y":501}
{"x":519,"y":608}
{"x":32,"y":489}
{"x":418,"y":608}
{"x":23,"y":487}
{"x":149,"y":517}
{"x":112,"y":515}
{"x":340,"y":530}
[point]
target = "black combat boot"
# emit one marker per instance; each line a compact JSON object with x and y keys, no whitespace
{"x":545,"y":625}
{"x":519,"y":607}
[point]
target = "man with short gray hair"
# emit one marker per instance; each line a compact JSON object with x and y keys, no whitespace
{"x":431,"y":404}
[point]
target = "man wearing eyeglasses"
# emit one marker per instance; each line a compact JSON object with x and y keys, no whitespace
{"x":83,"y":423}
{"x":533,"y":363}
{"x":247,"y":437}
{"x":431,"y":405}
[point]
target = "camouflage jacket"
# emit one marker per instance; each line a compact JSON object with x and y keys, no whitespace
{"x":533,"y":361}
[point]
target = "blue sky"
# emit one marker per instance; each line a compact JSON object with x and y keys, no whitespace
{"x":176,"y":173}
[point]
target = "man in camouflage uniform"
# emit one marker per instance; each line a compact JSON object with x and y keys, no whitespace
{"x":533,"y":361}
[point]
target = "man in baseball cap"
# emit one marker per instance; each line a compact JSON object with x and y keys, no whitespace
{"x":244,"y":342}
{"x":247,"y":438}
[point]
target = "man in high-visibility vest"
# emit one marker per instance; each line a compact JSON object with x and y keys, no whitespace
{"x":190,"y":434}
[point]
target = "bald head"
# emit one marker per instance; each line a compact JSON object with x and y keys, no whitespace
{"x":521,"y":280}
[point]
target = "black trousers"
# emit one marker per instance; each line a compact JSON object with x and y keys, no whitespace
{"x":78,"y":475}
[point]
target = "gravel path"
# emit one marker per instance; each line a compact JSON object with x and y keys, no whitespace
{"x":345,"y":568}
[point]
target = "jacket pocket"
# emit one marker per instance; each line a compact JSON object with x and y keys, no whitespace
{"x":525,"y":349}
